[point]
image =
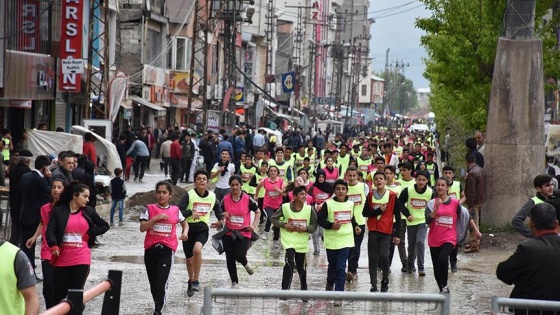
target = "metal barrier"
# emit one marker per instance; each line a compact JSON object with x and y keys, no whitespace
{"x":249,"y":302}
{"x":76,"y":299}
{"x":499,"y":305}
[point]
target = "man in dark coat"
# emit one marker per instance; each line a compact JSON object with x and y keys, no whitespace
{"x":16,"y":172}
{"x":534,"y":268}
{"x":35,"y":186}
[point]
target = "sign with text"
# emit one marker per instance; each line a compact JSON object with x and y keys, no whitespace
{"x":72,"y":66}
{"x":71,"y":42}
{"x":28,"y":25}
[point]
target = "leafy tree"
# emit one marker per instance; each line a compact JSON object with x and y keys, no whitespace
{"x":401,"y":95}
{"x":461,"y":40}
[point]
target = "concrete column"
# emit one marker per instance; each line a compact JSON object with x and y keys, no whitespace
{"x":514,"y":152}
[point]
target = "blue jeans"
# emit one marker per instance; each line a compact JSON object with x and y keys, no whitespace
{"x":336,"y":271}
{"x":120,"y":204}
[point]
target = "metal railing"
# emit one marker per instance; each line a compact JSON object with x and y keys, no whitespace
{"x":501,"y":305}
{"x":249,"y":302}
{"x":76,"y":299}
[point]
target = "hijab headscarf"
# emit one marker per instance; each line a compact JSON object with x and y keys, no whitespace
{"x":324,"y":186}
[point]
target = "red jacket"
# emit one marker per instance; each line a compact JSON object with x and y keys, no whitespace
{"x":175,"y":152}
{"x":89,"y":150}
{"x":385,"y":223}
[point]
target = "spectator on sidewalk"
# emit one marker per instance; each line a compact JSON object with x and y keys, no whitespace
{"x":139,"y":151}
{"x":175,"y":153}
{"x":16,"y":172}
{"x":18,"y":294}
{"x":187,"y":151}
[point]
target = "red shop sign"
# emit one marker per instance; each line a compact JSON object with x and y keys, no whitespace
{"x":28,"y":25}
{"x":71,"y":42}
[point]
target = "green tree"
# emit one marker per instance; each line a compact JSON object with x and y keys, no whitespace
{"x":461,"y":40}
{"x":401,"y":95}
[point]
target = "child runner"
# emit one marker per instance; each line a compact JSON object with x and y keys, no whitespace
{"x":118,"y":193}
{"x":160,"y":222}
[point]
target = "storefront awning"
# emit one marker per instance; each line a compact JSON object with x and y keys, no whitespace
{"x":286,"y":117}
{"x":183,"y":102}
{"x":143,"y":102}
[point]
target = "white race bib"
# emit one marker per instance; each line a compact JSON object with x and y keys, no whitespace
{"x":162,"y":229}
{"x":298,"y":222}
{"x":236,"y":219}
{"x":356,"y":199}
{"x":72,"y":240}
{"x":273,"y":194}
{"x":201,"y":208}
{"x":363,"y":168}
{"x":343,"y":216}
{"x":444,"y":220}
{"x":418,"y":203}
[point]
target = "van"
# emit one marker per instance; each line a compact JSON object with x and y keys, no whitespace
{"x":552,"y":144}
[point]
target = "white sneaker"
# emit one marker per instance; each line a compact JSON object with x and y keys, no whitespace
{"x":264,"y":235}
{"x":234,"y":285}
{"x":249,"y":269}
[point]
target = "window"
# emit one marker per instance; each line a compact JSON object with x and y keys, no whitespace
{"x":179,"y":54}
{"x":364,"y":89}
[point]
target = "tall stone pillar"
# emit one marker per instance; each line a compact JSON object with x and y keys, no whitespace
{"x":514,"y":151}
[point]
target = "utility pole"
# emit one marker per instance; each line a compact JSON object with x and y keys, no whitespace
{"x":337,"y":52}
{"x":270,"y":36}
{"x":199,"y":54}
{"x":385,"y":86}
{"x":98,"y":61}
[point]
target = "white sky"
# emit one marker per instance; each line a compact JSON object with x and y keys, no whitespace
{"x":398,"y":33}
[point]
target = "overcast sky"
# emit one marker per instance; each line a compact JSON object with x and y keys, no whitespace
{"x":397,"y":32}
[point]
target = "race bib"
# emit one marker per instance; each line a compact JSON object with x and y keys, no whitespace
{"x":281,"y":173}
{"x":162,"y":229}
{"x":299,"y":163}
{"x":343,"y":217}
{"x":330,"y":180}
{"x":356,"y":199}
{"x":363,"y":168}
{"x":418,"y":203}
{"x":72,"y":240}
{"x":298,"y":222}
{"x":273,"y":194}
{"x":431,"y":171}
{"x":247,"y":176}
{"x":236,"y":219}
{"x":453,"y":195}
{"x":444,"y":220}
{"x":322,"y":197}
{"x":201,"y":208}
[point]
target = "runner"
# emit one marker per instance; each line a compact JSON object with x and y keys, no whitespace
{"x":262,"y":174}
{"x":544,"y":191}
{"x":455,"y":191}
{"x":236,"y":209}
{"x":57,"y":187}
{"x":357,"y":192}
{"x":284,"y":168}
{"x":331,"y":172}
{"x":196,"y":206}
{"x":336,"y":217}
{"x":72,"y":223}
{"x":159,"y":221}
{"x":297,"y":220}
{"x":381,"y":209}
{"x":272,"y":201}
{"x":320,"y":191}
{"x":289,"y":191}
{"x":221,"y":172}
{"x":441,"y":215}
{"x":413,"y":201}
{"x":247,"y":171}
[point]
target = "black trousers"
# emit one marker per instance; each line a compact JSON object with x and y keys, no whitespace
{"x":48,"y":283}
{"x":140,"y":165}
{"x":354,"y":256}
{"x":71,"y":277}
{"x":379,"y":245}
{"x":236,"y":251}
{"x":158,"y":260}
{"x":440,"y":258}
{"x":27,"y":231}
{"x":15,"y":233}
{"x":185,"y":169}
{"x":175,"y":170}
{"x":275,"y":230}
{"x":294,"y":260}
{"x":453,"y":256}
{"x":401,"y":246}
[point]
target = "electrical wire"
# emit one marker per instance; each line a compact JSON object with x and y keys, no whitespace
{"x":256,"y":85}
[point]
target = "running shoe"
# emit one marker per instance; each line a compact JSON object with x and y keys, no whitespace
{"x":234,"y":285}
{"x":421,"y":273}
{"x":196,"y":286}
{"x":249,"y":269}
{"x":445,"y":290}
{"x":454,"y":267}
{"x":190,"y":291}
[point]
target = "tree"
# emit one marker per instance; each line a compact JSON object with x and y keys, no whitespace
{"x":461,"y":40}
{"x":401,"y":95}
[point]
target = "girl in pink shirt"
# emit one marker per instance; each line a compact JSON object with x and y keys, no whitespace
{"x":441,"y":215}
{"x":72,"y":223}
{"x":57,"y":187}
{"x":273,"y":186}
{"x":331,"y":172}
{"x":237,"y":207}
{"x":159,"y":221}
